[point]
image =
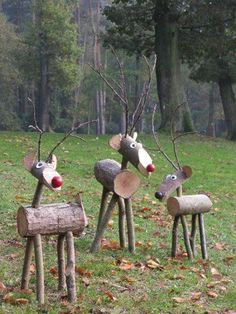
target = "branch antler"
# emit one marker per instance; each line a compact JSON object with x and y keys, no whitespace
{"x":157,"y":141}
{"x":145,"y":94}
{"x":36,"y":128}
{"x":72,"y":130}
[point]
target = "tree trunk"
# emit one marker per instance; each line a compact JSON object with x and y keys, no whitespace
{"x":44,"y":95}
{"x":95,"y":17}
{"x":169,"y":84}
{"x":229,"y":104}
{"x":211,"y":117}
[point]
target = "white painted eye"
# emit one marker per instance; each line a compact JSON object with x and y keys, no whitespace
{"x":39,"y":165}
{"x":133,"y":145}
{"x":173,"y":177}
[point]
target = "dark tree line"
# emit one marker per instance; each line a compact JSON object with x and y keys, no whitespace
{"x":48,"y":44}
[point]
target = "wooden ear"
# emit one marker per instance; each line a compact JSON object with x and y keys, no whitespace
{"x":29,"y":160}
{"x":187,"y":171}
{"x":126,"y":183}
{"x":54,"y":162}
{"x":135,"y":135}
{"x":114,"y":142}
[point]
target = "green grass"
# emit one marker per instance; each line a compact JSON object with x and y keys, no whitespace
{"x":105,"y":287}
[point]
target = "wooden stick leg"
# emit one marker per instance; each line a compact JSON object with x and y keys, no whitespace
{"x":193,"y":234}
{"x":186,"y":237}
{"x":61,"y":262}
{"x":130,"y":225}
{"x":202,"y":236}
{"x":121,"y":222}
{"x":27,"y":261}
{"x":175,"y":236}
{"x":39,"y":268}
{"x":103,"y":206}
{"x":70,"y":267}
{"x":103,"y":224}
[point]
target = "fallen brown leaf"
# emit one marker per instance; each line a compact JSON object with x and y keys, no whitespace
{"x":110,"y":295}
{"x":212,"y":294}
{"x":196,"y":296}
{"x":219,"y":246}
{"x":128,"y":279}
{"x":9,"y":298}
{"x":83,"y":272}
{"x":14,"y":255}
{"x":22,"y":301}
{"x":110,"y":244}
{"x":86,"y":281}
{"x":2,"y":286}
{"x":26,"y":291}
{"x":180,"y":300}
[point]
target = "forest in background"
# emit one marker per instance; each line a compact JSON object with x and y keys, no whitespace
{"x":47,"y":46}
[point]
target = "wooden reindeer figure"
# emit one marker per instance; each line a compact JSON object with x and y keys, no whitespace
{"x":178,"y":207}
{"x":59,"y":219}
{"x":115,"y":178}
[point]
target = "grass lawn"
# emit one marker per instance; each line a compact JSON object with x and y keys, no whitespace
{"x":114,"y":281}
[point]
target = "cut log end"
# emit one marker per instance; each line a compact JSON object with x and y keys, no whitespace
{"x":126,"y":184}
{"x":188,"y":205}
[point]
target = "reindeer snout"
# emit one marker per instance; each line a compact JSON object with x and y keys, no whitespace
{"x":150,"y":168}
{"x":159,"y":195}
{"x":56,"y":182}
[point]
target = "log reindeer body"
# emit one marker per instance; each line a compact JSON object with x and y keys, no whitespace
{"x":59,"y":219}
{"x":116,"y":178}
{"x":180,"y":206}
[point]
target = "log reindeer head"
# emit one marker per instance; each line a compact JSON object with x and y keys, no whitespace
{"x":45,"y":172}
{"x":133,"y":152}
{"x":172,"y":182}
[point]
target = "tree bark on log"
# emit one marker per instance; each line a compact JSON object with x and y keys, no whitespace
{"x":193,"y":233}
{"x":175,"y":236}
{"x":61,"y":262}
{"x":105,"y":194}
{"x":130,"y":225}
{"x":186,"y":237}
{"x":70,"y":267}
{"x":188,"y":204}
{"x":103,"y":224}
{"x":111,"y":175}
{"x":39,"y":268}
{"x":185,"y":227}
{"x":121,"y":222}
{"x":51,"y":219}
{"x":202,"y":236}
{"x":27,"y":261}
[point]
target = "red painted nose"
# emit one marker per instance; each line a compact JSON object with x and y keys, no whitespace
{"x":150,"y":168}
{"x":57,"y":182}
